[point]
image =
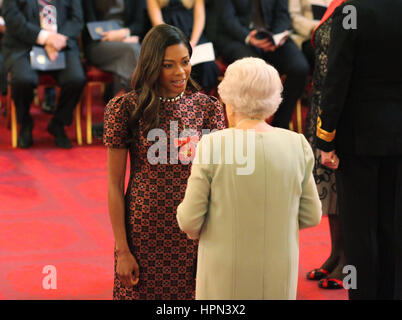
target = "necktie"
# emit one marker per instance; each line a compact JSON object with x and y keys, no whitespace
{"x":48,"y":15}
{"x":104,"y":6}
{"x":258,"y":20}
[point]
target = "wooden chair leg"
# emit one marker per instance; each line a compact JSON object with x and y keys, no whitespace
{"x":299,"y":117}
{"x":11,"y":121}
{"x":36,"y":99}
{"x":8,"y":108}
{"x":78,"y":123}
{"x":102,"y":87}
{"x":14,"y":134}
{"x":299,"y":126}
{"x":56,"y":101}
{"x":89,"y":112}
{"x":291,"y":126}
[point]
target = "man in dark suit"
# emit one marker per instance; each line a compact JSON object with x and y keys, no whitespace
{"x":238,"y":22}
{"x":26,"y":27}
{"x":360,"y":129}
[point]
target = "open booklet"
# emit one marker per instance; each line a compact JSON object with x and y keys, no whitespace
{"x":202,"y":53}
{"x":96,"y":28}
{"x":274,"y":38}
{"x":280,"y":36}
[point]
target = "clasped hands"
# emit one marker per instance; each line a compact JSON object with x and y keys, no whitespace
{"x":54,"y":43}
{"x":264,"y":44}
{"x":120,"y":35}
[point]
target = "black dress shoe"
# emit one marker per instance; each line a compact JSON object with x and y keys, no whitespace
{"x":25,"y":137}
{"x":61,"y":140}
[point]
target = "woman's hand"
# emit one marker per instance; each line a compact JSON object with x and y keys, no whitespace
{"x":115,"y":35}
{"x":52,"y":53}
{"x":127,"y":269}
{"x":56,"y":40}
{"x":193,"y":43}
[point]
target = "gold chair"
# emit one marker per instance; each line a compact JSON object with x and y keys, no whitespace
{"x":95,"y":77}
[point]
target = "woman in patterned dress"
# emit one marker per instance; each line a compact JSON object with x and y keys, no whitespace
{"x":153,"y":258}
{"x":330,"y":273}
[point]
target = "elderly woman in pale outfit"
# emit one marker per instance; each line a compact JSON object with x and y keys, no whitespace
{"x":247,"y":213}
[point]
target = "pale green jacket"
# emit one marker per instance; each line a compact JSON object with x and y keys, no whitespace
{"x":248,"y":224}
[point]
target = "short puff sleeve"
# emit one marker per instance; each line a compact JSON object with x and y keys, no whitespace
{"x":116,"y":131}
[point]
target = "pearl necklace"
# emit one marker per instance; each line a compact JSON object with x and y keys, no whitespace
{"x":171,"y":99}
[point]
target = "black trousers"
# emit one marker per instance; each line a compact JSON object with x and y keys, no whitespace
{"x":24,"y":80}
{"x":288,"y":60}
{"x":370,"y":202}
{"x":3,"y":76}
{"x":309,"y":52}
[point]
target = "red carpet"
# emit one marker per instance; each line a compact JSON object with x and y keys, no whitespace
{"x":53,"y":211}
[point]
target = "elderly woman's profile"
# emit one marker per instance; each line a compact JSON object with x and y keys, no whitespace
{"x":248,"y":222}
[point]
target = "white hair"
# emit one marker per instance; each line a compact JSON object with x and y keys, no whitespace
{"x":252,"y":87}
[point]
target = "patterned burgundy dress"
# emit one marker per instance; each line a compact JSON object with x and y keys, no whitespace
{"x":166,"y":257}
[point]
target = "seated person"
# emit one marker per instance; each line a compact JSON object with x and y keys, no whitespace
{"x":237,"y":24}
{"x":117,"y":52}
{"x":57,"y":28}
{"x":304,"y":23}
{"x":189,"y":16}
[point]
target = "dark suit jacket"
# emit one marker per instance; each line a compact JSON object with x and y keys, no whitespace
{"x":23,"y":26}
{"x":361,"y":109}
{"x":235,"y":17}
{"x":134,"y":17}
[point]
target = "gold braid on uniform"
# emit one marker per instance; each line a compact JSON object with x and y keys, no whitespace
{"x":324,"y":135}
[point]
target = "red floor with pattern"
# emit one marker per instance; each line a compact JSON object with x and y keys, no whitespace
{"x":53,"y":212}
